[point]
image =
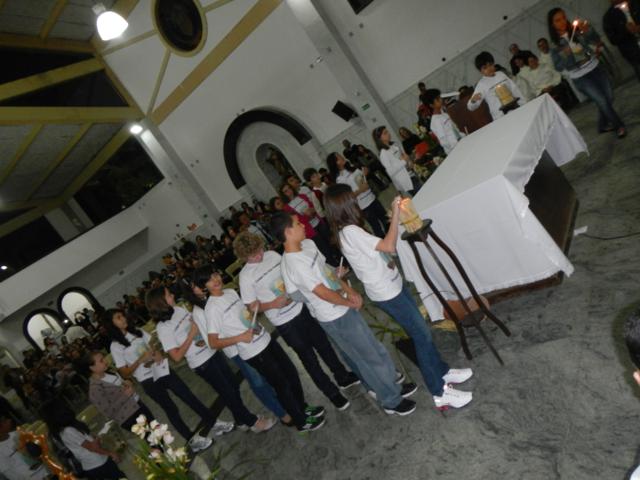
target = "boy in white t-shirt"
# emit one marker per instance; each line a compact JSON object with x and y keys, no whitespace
{"x":229,"y":323}
{"x":262,"y":287}
{"x":335,"y":304}
{"x":441,"y":124}
{"x":486,"y":86}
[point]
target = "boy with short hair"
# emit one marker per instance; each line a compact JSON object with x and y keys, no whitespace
{"x":335,"y":305}
{"x":485,"y":88}
{"x":441,"y":124}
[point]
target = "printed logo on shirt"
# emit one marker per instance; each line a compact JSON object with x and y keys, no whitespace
{"x":246,"y":317}
{"x":332,"y":279}
{"x":277,"y":287}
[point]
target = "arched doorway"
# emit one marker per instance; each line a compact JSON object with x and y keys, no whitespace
{"x":76,"y":303}
{"x":250,"y":131}
{"x":40,"y":324}
{"x":273,"y":163}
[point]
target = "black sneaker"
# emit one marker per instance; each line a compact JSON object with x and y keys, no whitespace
{"x":340,"y":402}
{"x":405,"y":407}
{"x":349,"y":380}
{"x":311,"y":424}
{"x":399,"y":377}
{"x":408,"y":389}
{"x":314,"y":411}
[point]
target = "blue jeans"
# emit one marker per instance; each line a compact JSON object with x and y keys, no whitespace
{"x":597,"y":87}
{"x":366,"y":356}
{"x":404,"y":310}
{"x":260,"y":387}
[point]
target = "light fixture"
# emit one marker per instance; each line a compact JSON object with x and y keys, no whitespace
{"x":136,"y":129}
{"x":110,"y":24}
{"x":3,"y":267}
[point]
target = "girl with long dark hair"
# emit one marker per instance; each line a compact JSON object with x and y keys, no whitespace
{"x":134,"y":356}
{"x":356,"y":179}
{"x":395,"y":161}
{"x":181,"y":338}
{"x":369,"y":258}
{"x":573,"y":50}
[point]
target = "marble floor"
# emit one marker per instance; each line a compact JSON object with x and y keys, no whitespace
{"x":562,"y":407}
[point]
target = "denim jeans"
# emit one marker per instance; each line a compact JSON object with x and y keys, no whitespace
{"x":158,"y":391}
{"x":260,"y":387}
{"x":274,"y":364}
{"x":403,"y":309}
{"x":216,"y":372}
{"x":306,"y":337}
{"x":366,"y":356}
{"x":597,"y":87}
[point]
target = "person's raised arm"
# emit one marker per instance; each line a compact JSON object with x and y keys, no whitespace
{"x":388,"y":243}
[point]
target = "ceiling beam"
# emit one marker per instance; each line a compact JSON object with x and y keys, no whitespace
{"x":24,"y":146}
{"x":11,"y":40}
{"x":28,"y":217}
{"x":27,"y":115}
{"x":48,"y":78}
{"x":241,"y":30}
{"x":159,"y":78}
{"x":129,"y":42}
{"x":59,"y":159}
{"x":215,"y":5}
{"x":53,"y":18}
{"x":9,"y":207}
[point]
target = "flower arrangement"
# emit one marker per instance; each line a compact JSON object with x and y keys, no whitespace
{"x":158,"y":458}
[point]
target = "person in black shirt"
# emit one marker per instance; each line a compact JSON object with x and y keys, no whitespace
{"x":621,"y":24}
{"x":350,"y":152}
{"x":517,"y":53}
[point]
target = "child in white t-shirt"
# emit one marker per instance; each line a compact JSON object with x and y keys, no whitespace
{"x":335,"y":304}
{"x":441,"y":124}
{"x":369,"y":258}
{"x":262,"y":287}
{"x":229,"y":323}
{"x":486,"y":86}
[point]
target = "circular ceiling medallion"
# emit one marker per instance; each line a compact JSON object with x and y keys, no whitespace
{"x":181,"y":25}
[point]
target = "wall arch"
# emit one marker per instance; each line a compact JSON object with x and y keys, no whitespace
{"x":91,"y":301}
{"x":53,"y":320}
{"x":272,"y":120}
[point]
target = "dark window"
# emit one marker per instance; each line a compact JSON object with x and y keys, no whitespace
{"x":180,"y":23}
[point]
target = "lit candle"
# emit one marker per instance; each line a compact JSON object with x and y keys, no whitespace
{"x":576,"y":22}
{"x":409,"y":217}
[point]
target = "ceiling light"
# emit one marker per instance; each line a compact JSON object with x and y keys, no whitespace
{"x":3,"y":267}
{"x":136,"y":128}
{"x":110,"y":24}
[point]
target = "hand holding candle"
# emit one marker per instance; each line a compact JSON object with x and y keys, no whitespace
{"x":408,"y":216}
{"x":576,"y":22}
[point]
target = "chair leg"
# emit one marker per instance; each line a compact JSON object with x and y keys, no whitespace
{"x":489,"y":344}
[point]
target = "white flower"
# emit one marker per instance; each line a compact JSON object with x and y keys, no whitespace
{"x":181,"y":454}
{"x":139,"y":430}
{"x":153,"y":424}
{"x":141,"y":420}
{"x":171,"y":454}
{"x":154,"y":438}
{"x":155,"y":454}
{"x":167,"y":438}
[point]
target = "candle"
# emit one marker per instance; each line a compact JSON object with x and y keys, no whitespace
{"x":409,"y":217}
{"x":573,"y":32}
{"x":255,"y":316}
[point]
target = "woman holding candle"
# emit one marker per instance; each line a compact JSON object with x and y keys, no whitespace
{"x":368,"y":256}
{"x":573,"y":51}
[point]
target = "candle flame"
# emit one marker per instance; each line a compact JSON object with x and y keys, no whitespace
{"x":575,"y":23}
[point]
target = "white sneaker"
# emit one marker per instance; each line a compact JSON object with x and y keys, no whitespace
{"x":452,"y":398}
{"x":263,"y":424}
{"x":372,"y":394}
{"x":220,"y":428}
{"x":459,"y":375}
{"x":198,"y":443}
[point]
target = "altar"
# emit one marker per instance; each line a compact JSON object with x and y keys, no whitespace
{"x":507,"y":225}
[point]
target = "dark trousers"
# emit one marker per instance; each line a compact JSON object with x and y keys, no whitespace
{"x":597,"y":86}
{"x":376,"y":216}
{"x":216,"y":372}
{"x":276,"y":367}
{"x":159,"y":393}
{"x":323,"y":242}
{"x":107,"y":471}
{"x":305,"y":336}
{"x":131,"y":421}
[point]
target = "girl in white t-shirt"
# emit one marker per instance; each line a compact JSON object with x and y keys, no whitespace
{"x":134,"y":356}
{"x":96,"y":461}
{"x":369,"y":258}
{"x":372,"y":209}
{"x":181,"y":338}
{"x":396,"y":162}
{"x":229,"y":323}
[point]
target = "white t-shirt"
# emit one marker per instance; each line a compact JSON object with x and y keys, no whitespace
{"x":300,"y":205}
{"x":446,"y":131}
{"x":354,"y":180}
{"x":304,"y":190}
{"x":263,"y":281}
{"x":201,"y":321}
{"x":542,"y":77}
{"x":73,"y":440}
{"x":372,"y":267}
{"x":228,"y":317}
{"x":396,"y":167}
{"x":304,"y":271}
{"x":486,"y":88}
{"x":16,"y":465}
{"x":125,"y":356}
{"x":173,"y":332}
